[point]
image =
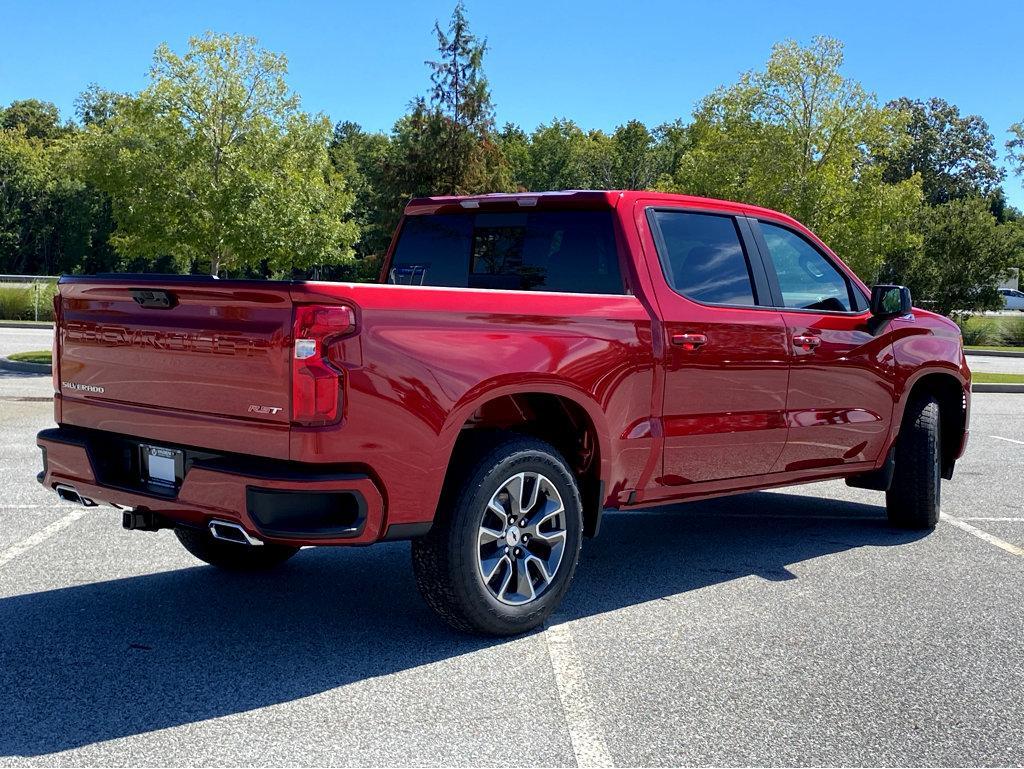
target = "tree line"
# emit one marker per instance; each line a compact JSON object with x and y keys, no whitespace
{"x":214,"y":167}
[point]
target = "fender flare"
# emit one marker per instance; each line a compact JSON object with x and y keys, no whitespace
{"x":496,"y":388}
{"x":899,"y":408}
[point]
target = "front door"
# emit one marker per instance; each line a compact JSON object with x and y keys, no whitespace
{"x":840,"y":384}
{"x":726,"y":354}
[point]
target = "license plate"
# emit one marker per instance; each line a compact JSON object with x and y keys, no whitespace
{"x":160,"y":465}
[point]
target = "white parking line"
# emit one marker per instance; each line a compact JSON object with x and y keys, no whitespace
{"x":1008,"y":440}
{"x":1000,"y":543}
{"x":8,"y":555}
{"x":587,"y":743}
{"x":970,"y":518}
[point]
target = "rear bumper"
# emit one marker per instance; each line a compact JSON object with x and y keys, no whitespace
{"x":281,"y":502}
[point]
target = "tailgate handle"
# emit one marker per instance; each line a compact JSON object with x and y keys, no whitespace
{"x":154,"y":299}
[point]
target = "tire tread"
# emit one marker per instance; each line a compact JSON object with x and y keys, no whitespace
{"x":912,"y":501}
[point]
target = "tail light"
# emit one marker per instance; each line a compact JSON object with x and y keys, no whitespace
{"x":316,"y":384}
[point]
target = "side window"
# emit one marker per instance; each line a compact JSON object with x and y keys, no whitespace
{"x":807,"y":279}
{"x":702,"y":257}
{"x":433,"y":251}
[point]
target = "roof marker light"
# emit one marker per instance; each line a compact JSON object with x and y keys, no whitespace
{"x":469,"y":203}
{"x":527,"y":202}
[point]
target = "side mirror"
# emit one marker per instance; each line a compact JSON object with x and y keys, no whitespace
{"x":888,"y":301}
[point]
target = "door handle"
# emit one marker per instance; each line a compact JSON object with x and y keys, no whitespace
{"x":806,"y":341}
{"x":689,"y":341}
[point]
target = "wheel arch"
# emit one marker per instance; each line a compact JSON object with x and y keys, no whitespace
{"x":569,"y":420}
{"x":952,"y":394}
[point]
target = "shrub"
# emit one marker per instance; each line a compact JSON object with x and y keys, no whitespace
{"x":1012,"y":331}
{"x":18,"y":300}
{"x":979,"y":331}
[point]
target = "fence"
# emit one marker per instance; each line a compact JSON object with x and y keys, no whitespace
{"x":27,"y":297}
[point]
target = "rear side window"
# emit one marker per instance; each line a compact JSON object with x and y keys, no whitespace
{"x":572,"y":251}
{"x":807,"y":279}
{"x":702,"y":257}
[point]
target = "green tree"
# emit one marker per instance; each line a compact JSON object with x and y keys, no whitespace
{"x":359,"y":157}
{"x":634,"y":158}
{"x":51,"y":220}
{"x":672,"y":142}
{"x":96,"y":105}
{"x":954,"y":154}
{"x":801,"y":138}
{"x":1015,"y":148}
{"x":964,"y":255}
{"x":38,"y":119}
{"x":21,"y":179}
{"x":214,"y":164}
{"x":514,"y":145}
{"x":556,"y":157}
{"x":562,"y":156}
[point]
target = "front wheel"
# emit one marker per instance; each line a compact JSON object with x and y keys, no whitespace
{"x":504,"y":547}
{"x":912,"y":501}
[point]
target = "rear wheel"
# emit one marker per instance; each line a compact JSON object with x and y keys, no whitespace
{"x":504,"y":547}
{"x":230,"y":555}
{"x":912,"y":501}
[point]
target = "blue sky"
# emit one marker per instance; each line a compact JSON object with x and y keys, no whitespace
{"x":599,"y":62}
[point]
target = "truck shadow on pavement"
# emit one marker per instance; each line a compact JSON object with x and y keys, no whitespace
{"x":100,"y":661}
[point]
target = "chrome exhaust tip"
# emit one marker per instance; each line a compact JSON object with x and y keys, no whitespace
{"x":228,"y":531}
{"x":70,"y":494}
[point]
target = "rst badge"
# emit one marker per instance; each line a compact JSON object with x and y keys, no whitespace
{"x":254,"y":409}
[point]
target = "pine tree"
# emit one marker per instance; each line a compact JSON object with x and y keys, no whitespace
{"x":447,"y":142}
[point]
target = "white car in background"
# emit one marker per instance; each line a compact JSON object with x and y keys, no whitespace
{"x":1013,"y":298}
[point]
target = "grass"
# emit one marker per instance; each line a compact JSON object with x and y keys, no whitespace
{"x":984,"y":377}
{"x":994,"y":347}
{"x":35,"y":356}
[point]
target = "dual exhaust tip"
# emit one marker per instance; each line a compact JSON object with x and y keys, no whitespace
{"x":225,"y":531}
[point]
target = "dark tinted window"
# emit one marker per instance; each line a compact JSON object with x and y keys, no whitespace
{"x":433,"y":251}
{"x":703,"y":258}
{"x":807,"y":279}
{"x":537,"y":251}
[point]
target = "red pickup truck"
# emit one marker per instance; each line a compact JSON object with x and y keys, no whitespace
{"x":527,"y":362}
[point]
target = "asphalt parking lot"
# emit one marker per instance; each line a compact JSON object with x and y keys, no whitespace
{"x":789,"y":627}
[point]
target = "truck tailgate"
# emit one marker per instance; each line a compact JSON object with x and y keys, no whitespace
{"x":216,"y":348}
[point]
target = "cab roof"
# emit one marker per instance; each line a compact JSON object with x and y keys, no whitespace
{"x":577,"y":199}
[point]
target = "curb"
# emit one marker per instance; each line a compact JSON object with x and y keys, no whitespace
{"x":996,"y":353}
{"x":996,"y":387}
{"x":25,"y":324}
{"x":24,"y":368}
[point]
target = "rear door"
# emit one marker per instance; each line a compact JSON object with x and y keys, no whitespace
{"x":726,"y":351}
{"x":841,"y":379}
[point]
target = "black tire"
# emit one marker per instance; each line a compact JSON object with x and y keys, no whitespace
{"x":448,"y":562}
{"x":912,"y":501}
{"x":232,"y":556}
